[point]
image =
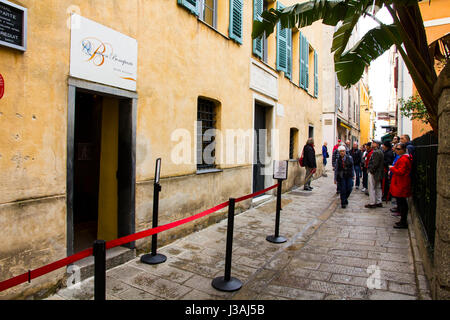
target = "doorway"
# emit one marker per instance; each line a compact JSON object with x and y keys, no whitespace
{"x":100,"y":168}
{"x":260,"y":143}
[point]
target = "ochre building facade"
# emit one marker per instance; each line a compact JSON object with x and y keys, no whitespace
{"x":77,"y":155}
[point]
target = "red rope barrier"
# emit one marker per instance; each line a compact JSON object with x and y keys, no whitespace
{"x":33,"y":274}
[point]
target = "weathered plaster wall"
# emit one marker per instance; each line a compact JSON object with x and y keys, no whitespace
{"x":180,"y":59}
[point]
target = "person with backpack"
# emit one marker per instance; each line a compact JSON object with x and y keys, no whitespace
{"x":309,"y":161}
{"x":401,"y":183}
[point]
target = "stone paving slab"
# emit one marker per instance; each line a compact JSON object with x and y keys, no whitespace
{"x":331,"y":253}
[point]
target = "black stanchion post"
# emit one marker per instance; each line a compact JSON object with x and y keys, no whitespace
{"x":99,"y":251}
{"x":154,"y":257}
{"x":228,"y":283}
{"x":277,"y":238}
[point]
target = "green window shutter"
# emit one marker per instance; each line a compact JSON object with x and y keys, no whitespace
{"x":236,"y":22}
{"x":282,"y":36}
{"x":306,"y":44}
{"x":289,"y":54}
{"x":302,"y":60}
{"x":316,"y":74}
{"x":258,"y":43}
{"x":191,"y":5}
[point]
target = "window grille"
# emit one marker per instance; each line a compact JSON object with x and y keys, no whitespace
{"x":292,"y":143}
{"x":206,"y":122}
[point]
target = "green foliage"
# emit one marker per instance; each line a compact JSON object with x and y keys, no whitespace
{"x":414,"y":109}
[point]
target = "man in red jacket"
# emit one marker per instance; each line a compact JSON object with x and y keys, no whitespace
{"x":401,"y":183}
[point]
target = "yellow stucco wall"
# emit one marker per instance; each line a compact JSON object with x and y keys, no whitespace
{"x":365,"y":115}
{"x":437,"y":9}
{"x":180,"y":58}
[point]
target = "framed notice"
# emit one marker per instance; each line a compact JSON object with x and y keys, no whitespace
{"x":280,"y":170}
{"x":13,"y":26}
{"x":101,"y":54}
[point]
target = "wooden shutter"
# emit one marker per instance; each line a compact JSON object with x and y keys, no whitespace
{"x":236,"y":22}
{"x":316,"y":74}
{"x":191,"y":5}
{"x":302,"y":60}
{"x":306,"y":47}
{"x":258,"y":42}
{"x":289,"y":54}
{"x":282,"y":38}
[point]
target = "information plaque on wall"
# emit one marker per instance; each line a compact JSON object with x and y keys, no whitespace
{"x":13,"y":26}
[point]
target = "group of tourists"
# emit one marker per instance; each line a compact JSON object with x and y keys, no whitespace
{"x":385,"y":169}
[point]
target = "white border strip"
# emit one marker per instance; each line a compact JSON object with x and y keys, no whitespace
{"x":436,"y":22}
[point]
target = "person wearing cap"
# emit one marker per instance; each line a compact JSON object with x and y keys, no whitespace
{"x":344,"y":175}
{"x":376,"y":171}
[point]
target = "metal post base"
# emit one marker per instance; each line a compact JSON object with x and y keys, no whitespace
{"x":221,"y":284}
{"x":274,"y":239}
{"x":153,"y":259}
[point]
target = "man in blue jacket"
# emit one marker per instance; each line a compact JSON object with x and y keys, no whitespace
{"x":325,"y":156}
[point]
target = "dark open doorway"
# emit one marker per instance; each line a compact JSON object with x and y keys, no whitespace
{"x":101,"y":167}
{"x":260,"y":144}
{"x":88,"y":130}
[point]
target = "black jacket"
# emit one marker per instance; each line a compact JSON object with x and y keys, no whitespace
{"x":309,"y":156}
{"x":388,"y":158}
{"x":344,"y":169}
{"x":357,"y":156}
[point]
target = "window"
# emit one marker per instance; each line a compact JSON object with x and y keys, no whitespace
{"x":338,"y":96}
{"x":206,"y":134}
{"x":260,"y":45}
{"x":207,"y":12}
{"x":311,"y":132}
{"x":284,"y":48}
{"x":304,"y":62}
{"x":293,"y":143}
{"x":316,"y":74}
{"x":236,"y":20}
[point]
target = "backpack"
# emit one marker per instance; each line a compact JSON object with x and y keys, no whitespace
{"x":300,"y":161}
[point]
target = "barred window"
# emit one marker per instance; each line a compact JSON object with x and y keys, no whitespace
{"x":293,"y":136}
{"x":206,"y":134}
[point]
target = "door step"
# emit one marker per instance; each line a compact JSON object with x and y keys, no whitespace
{"x":114,"y":257}
{"x":259,"y":200}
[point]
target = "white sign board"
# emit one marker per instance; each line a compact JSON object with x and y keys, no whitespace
{"x":280,"y":170}
{"x":103,"y":55}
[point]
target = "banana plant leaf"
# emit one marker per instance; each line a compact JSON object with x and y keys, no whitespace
{"x":350,"y":66}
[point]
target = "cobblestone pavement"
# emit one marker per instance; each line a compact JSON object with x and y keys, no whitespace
{"x":331,"y":253}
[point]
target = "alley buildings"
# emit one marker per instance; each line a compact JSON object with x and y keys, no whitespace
{"x":96,"y":91}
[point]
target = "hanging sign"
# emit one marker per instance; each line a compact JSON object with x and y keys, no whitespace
{"x":13,"y":26}
{"x":280,"y":170}
{"x":101,"y":54}
{"x":2,"y":86}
